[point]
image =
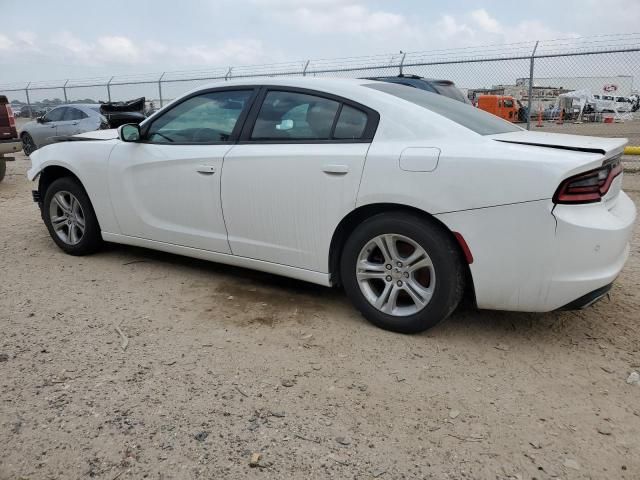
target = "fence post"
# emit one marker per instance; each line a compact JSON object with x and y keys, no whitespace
{"x":402,"y":62}
{"x":160,"y":88}
{"x":109,"y":89}
{"x":26,"y":89}
{"x":304,"y":70}
{"x":64,"y":91}
{"x":533,"y":56}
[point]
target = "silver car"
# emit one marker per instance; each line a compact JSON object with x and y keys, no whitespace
{"x":61,"y":121}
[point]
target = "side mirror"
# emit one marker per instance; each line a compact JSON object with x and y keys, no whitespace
{"x":129,"y":132}
{"x":40,"y":119}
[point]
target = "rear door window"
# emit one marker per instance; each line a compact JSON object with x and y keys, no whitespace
{"x":74,"y":114}
{"x":55,"y":115}
{"x":294,"y":116}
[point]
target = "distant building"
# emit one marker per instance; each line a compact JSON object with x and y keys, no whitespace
{"x":545,"y":90}
{"x":620,"y":86}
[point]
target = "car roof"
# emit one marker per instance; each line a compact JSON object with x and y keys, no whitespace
{"x":79,"y":105}
{"x":302,"y":82}
{"x":345,"y":87}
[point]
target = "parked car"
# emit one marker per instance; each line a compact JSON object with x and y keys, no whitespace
{"x":406,"y":198}
{"x":441,"y":87}
{"x":120,"y":113}
{"x":9,"y":141}
{"x":72,"y":119}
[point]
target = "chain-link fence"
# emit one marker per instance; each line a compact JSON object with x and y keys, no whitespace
{"x":533,"y":79}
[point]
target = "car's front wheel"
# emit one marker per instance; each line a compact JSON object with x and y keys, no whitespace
{"x":402,"y":273}
{"x":68,"y":214}
{"x":28,"y":145}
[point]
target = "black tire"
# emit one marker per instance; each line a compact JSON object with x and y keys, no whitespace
{"x":3,"y":168}
{"x":440,"y":247}
{"x":91,"y":240}
{"x":28,"y":145}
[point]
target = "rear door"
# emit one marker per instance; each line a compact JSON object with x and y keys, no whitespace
{"x":294,"y":175}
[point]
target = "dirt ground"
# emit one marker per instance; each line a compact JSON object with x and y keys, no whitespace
{"x":223,"y":363}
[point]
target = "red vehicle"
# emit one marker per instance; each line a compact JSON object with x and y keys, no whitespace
{"x":9,"y":141}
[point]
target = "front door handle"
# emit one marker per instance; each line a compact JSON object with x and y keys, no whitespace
{"x":206,"y":169}
{"x":335,"y":169}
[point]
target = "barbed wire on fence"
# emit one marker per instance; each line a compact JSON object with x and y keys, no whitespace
{"x":499,"y":67}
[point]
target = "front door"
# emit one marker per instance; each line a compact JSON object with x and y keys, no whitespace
{"x":167,"y":187}
{"x":293,"y":177}
{"x":70,"y":123}
{"x":46,"y":128}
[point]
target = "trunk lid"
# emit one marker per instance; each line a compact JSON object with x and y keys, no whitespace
{"x":608,"y":147}
{"x":597,"y":151}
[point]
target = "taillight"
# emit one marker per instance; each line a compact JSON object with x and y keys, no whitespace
{"x":588,"y":187}
{"x":12,"y":119}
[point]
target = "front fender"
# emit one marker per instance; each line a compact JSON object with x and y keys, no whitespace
{"x":40,"y":160}
{"x":88,"y":161}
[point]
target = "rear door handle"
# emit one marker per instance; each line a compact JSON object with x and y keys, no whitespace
{"x":335,"y":168}
{"x":206,"y":169}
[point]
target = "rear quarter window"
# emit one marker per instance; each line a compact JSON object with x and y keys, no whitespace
{"x":468,"y":116}
{"x":351,"y":124}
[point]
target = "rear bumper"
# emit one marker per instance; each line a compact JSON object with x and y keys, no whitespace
{"x":537,"y":257}
{"x":10,"y":146}
{"x":591,"y":248}
{"x":588,"y":299}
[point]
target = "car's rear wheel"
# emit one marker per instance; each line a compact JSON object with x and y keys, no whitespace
{"x":28,"y":145}
{"x":401,"y":272}
{"x":69,"y":216}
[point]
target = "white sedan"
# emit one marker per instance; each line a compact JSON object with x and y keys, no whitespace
{"x":407,"y":199}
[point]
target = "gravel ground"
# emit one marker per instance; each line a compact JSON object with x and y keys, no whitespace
{"x":225,"y":364}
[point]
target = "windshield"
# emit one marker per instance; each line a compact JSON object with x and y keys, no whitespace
{"x":464,"y":114}
{"x":450,"y":90}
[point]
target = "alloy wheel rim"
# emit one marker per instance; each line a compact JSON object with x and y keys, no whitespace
{"x":67,"y":217}
{"x":27,"y":144}
{"x":395,"y":274}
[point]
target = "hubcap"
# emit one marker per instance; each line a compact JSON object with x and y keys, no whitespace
{"x":67,"y":217}
{"x":395,"y":275}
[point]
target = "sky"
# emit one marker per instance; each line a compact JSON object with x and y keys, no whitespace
{"x":47,"y":40}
